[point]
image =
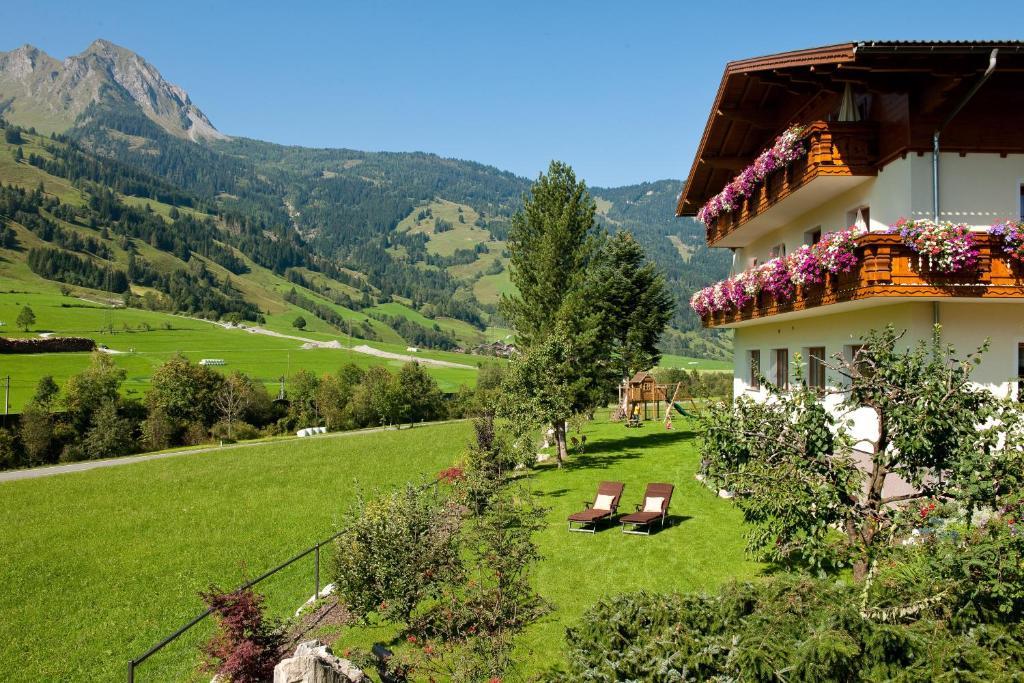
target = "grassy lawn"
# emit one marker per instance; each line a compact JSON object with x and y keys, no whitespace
{"x":97,"y":566}
{"x":702,"y":547}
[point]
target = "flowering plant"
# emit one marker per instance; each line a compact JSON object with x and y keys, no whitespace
{"x":1011,"y":234}
{"x":786,"y":149}
{"x":777,"y":279}
{"x":948,"y":247}
{"x":808,"y":265}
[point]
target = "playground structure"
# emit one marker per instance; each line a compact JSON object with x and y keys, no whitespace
{"x":638,"y":393}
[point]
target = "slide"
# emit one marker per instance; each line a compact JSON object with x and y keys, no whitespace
{"x":679,"y":409}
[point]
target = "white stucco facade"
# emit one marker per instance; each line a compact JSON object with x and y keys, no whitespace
{"x":977,"y":189}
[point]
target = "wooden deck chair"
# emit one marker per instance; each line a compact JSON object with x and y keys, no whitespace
{"x":605,"y":505}
{"x":654,"y":509}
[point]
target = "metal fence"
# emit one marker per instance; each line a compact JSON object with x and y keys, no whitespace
{"x":133,"y":664}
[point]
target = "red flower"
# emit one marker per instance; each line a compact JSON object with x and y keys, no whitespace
{"x":411,"y":639}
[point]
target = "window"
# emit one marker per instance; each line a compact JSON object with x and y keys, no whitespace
{"x":812,"y":237}
{"x":1020,"y":372}
{"x":859,"y":363}
{"x":1022,"y":201}
{"x":816,"y":368}
{"x":754,"y":363}
{"x":859,"y":217}
{"x":778,"y":251}
{"x":781,"y":362}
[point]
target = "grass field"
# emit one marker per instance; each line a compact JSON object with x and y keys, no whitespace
{"x":99,"y":565}
{"x":263,"y":357}
{"x":687,"y":363}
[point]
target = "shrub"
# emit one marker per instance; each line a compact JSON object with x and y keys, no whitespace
{"x":237,"y":431}
{"x":397,"y":551}
{"x":810,"y":629}
{"x":246,"y":647}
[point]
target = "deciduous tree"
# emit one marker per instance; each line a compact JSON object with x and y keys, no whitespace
{"x":26,"y":318}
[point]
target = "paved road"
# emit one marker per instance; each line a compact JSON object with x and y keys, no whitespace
{"x":35,"y":473}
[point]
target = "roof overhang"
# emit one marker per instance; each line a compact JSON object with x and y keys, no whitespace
{"x":758,"y":98}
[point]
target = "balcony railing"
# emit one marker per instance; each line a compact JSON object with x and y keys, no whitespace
{"x":887,"y":268}
{"x":834,"y":149}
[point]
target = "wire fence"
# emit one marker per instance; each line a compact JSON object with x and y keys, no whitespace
{"x":133,"y":664}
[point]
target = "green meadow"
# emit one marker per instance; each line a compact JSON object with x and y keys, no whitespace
{"x":115,"y":557}
{"x":143,"y":341}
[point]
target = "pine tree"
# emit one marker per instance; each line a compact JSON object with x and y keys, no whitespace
{"x":560,"y":326}
{"x":637,"y":302}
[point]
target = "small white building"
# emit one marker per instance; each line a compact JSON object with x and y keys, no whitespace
{"x":878,"y":132}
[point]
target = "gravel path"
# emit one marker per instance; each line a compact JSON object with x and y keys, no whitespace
{"x":308,"y":343}
{"x":53,"y":470}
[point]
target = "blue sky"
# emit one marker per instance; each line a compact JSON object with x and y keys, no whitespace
{"x":619,"y":90}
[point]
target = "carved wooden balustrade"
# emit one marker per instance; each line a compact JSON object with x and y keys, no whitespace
{"x":886,"y":267}
{"x":833,"y":149}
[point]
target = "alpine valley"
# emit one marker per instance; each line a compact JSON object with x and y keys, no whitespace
{"x":116,"y":185}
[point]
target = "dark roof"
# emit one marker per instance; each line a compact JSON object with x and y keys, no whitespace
{"x":640,"y":377}
{"x":760,"y":97}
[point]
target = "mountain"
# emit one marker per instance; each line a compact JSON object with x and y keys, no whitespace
{"x":40,"y":91}
{"x":410,"y":244}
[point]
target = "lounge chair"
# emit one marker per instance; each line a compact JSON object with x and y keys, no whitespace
{"x":604,"y":507}
{"x":654,"y":509}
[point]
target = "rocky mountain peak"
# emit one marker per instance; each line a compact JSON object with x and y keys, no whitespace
{"x":36,"y":89}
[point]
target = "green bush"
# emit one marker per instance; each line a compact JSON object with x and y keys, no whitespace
{"x":397,"y":551}
{"x":785,"y":628}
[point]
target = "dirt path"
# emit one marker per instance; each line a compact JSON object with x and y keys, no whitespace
{"x":401,"y":356}
{"x":53,"y":470}
{"x":308,"y":343}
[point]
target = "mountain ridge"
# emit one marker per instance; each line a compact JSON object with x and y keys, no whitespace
{"x":31,"y":81}
{"x":414,"y":227}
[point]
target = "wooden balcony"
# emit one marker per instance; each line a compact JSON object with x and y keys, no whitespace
{"x":843,"y":153}
{"x":888,"y":270}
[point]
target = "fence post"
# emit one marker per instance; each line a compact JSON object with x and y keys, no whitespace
{"x":131,"y":671}
{"x":316,"y":594}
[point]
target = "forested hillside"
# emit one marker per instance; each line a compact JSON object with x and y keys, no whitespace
{"x":409,"y":242}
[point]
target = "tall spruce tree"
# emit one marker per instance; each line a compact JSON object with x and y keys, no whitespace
{"x":560,"y":324}
{"x":636,"y":301}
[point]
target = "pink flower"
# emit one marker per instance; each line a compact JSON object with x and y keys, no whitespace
{"x":786,"y":149}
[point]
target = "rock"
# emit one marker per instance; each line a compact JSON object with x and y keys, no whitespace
{"x":313,"y":662}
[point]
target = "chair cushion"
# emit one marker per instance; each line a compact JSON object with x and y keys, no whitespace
{"x":604,"y":501}
{"x":641,"y":517}
{"x":653,"y":504}
{"x":589,"y":515}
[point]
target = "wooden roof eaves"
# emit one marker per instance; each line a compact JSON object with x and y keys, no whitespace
{"x":830,"y":54}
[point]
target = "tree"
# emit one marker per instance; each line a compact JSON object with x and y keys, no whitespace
{"x":111,"y":434}
{"x":637,"y":303}
{"x":552,"y":243}
{"x":299,"y":323}
{"x":789,"y":460}
{"x":26,"y":318}
{"x":234,"y":396}
{"x":36,"y":433}
{"x":185,"y":392}
{"x":417,"y":391}
{"x":302,"y":404}
{"x":98,"y":385}
{"x":46,"y":392}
